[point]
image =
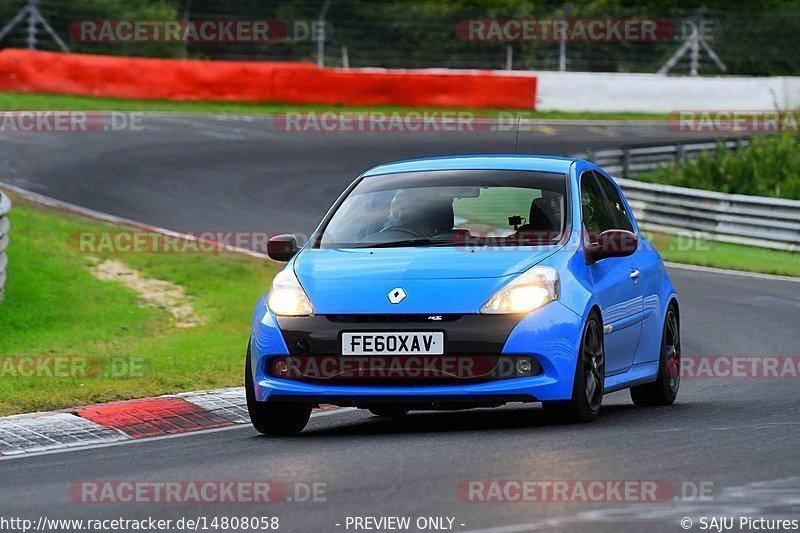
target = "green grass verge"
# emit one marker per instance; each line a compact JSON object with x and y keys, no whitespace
{"x":34,"y":102}
{"x":54,"y":307}
{"x":725,"y":255}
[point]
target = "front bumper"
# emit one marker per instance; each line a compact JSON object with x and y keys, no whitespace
{"x":550,"y":335}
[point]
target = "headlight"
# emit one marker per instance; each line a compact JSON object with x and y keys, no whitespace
{"x":287,"y":297}
{"x":528,"y":291}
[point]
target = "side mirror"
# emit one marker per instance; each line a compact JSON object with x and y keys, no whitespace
{"x":282,"y":247}
{"x":611,"y":243}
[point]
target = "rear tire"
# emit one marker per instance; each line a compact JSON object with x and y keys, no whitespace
{"x":587,"y":388}
{"x":273,"y":418}
{"x":388,"y":411}
{"x":664,"y":389}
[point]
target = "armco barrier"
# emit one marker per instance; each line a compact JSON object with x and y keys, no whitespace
{"x":251,"y":81}
{"x":735,"y":218}
{"x":626,"y":162}
{"x":5,"y":206}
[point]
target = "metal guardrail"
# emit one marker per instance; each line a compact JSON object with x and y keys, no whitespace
{"x":5,"y":207}
{"x":735,"y":218}
{"x":625,"y":162}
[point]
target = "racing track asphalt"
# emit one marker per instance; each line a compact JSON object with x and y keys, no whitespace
{"x":198,"y":173}
{"x":741,"y":435}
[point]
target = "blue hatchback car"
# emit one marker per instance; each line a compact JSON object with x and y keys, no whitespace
{"x":461,"y":282}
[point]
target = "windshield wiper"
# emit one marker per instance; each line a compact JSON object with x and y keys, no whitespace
{"x":398,"y":244}
{"x":409,"y":242}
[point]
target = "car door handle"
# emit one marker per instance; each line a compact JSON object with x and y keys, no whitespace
{"x":635,"y":274}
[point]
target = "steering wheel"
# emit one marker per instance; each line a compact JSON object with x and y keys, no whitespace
{"x":408,"y":231}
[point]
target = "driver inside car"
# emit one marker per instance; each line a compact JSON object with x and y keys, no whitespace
{"x":412,"y":211}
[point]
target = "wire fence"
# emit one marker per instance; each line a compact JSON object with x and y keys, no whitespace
{"x":430,"y":34}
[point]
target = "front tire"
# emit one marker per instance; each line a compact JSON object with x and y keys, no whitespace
{"x":587,"y":388}
{"x":664,"y":389}
{"x":271,"y":418}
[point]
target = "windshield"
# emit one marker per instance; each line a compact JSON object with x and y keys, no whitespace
{"x":448,"y":208}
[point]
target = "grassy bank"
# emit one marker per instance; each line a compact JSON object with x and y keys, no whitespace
{"x":32,"y":102}
{"x":54,"y":307}
{"x":730,"y":256}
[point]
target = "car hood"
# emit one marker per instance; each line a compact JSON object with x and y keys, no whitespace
{"x":435,"y":280}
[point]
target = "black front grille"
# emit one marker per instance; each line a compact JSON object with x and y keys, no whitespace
{"x":401,"y":370}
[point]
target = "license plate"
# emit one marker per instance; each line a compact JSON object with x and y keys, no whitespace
{"x":393,"y":343}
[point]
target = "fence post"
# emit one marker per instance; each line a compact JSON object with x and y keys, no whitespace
{"x":680,"y":154}
{"x":321,"y":33}
{"x":31,"y":35}
{"x":562,"y":43}
{"x":184,"y":52}
{"x":626,"y":162}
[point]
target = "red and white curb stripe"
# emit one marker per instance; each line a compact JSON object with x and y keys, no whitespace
{"x":40,"y":432}
{"x":127,"y":420}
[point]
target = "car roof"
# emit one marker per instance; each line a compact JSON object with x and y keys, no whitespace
{"x":540,"y":163}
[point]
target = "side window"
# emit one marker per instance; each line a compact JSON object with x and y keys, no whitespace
{"x":623,"y":220}
{"x":596,"y":216}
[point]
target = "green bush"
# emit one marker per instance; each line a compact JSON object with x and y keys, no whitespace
{"x":769,"y":166}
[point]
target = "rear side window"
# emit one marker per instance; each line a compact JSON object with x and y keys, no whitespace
{"x":597,"y":217}
{"x":617,"y":206}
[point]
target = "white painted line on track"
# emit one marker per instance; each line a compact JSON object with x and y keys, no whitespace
{"x":759,"y":498}
{"x":106,"y":217}
{"x":315,"y":414}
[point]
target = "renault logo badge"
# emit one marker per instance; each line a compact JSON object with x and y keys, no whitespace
{"x":397,"y":295}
